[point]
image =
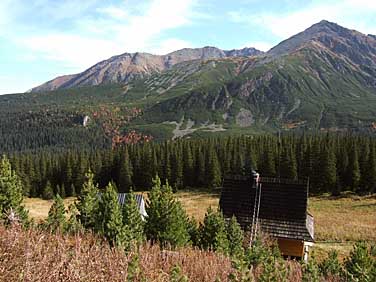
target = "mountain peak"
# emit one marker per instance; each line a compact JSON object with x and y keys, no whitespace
{"x":331,"y":36}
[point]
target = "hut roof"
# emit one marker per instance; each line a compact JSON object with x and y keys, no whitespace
{"x":283,"y":206}
{"x":122,"y":199}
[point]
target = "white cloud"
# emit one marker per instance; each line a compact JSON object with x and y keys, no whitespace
{"x":71,"y":50}
{"x":117,"y":31}
{"x":349,"y":13}
{"x":172,"y":44}
{"x":262,"y":46}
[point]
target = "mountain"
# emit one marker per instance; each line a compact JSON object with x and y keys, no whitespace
{"x":128,"y":66}
{"x":323,"y":78}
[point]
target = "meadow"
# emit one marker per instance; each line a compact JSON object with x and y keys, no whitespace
{"x":339,"y":221}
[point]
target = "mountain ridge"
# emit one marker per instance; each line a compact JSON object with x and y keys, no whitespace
{"x":127,"y":66}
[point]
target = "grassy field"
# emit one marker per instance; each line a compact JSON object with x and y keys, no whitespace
{"x":339,"y":221}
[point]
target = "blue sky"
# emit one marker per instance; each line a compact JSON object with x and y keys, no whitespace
{"x":41,"y":39}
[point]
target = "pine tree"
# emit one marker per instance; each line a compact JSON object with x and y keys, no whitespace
{"x":88,"y":201}
{"x":109,"y":219}
{"x":213,"y":234}
{"x":188,"y":166}
{"x":62,"y":191}
{"x":354,"y":170}
{"x":288,"y":167}
{"x":235,"y":237}
{"x":213,"y":169}
{"x":56,"y":221}
{"x":359,"y":265}
{"x":132,"y":220}
{"x":48,"y":193}
{"x":328,"y":171}
{"x":11,"y":195}
{"x":166,"y":222}
{"x":125,"y":173}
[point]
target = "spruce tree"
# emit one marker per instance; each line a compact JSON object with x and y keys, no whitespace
{"x":11,"y":195}
{"x":188,"y":166}
{"x":125,"y":173}
{"x":235,"y":236}
{"x":213,"y":235}
{"x":109,"y":219}
{"x":166,"y":222}
{"x":328,"y":171}
{"x":360,"y":265}
{"x":213,"y":169}
{"x":88,"y":201}
{"x":56,"y":221}
{"x":354,"y":170}
{"x":132,"y":219}
{"x":48,"y":193}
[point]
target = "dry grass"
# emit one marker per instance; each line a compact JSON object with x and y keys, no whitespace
{"x":39,"y":256}
{"x":38,"y":208}
{"x":197,"y":202}
{"x":349,"y":218}
{"x":339,"y":222}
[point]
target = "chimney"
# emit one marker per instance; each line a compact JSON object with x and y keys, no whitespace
{"x":255,"y":176}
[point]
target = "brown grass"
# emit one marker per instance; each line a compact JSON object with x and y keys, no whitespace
{"x":339,"y":222}
{"x":349,"y":218}
{"x":38,"y":208}
{"x":39,"y":256}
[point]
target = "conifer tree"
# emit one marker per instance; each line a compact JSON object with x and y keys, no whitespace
{"x":200,"y":168}
{"x":328,"y":170}
{"x":288,"y":167}
{"x":354,"y":170}
{"x":188,"y":166}
{"x":177,"y":175}
{"x":235,"y":237}
{"x":213,"y":234}
{"x":62,"y":191}
{"x":213,"y":169}
{"x":56,"y":216}
{"x":132,"y":220}
{"x":166,"y":222}
{"x":11,"y":195}
{"x":109,"y":219}
{"x":360,"y":265}
{"x":125,"y":173}
{"x":88,"y":201}
{"x":48,"y":193}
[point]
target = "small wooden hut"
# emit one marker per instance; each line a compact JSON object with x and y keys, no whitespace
{"x":275,"y":206}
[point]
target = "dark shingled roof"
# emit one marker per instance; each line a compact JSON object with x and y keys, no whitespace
{"x":283,"y":206}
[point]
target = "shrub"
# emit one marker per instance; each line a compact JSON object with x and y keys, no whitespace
{"x":331,"y":265}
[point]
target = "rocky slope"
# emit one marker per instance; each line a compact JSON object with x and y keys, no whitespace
{"x":124,"y":68}
{"x":323,"y":78}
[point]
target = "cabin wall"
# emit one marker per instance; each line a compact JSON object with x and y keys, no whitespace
{"x":293,"y":248}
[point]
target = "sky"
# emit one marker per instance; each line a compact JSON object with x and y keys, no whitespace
{"x":42,"y":39}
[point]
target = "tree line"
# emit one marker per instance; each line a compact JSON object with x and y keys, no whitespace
{"x":332,"y":162}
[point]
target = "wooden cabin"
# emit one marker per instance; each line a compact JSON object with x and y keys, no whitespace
{"x":277,"y":207}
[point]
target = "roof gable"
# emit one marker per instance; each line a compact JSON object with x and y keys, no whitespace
{"x":283,"y":205}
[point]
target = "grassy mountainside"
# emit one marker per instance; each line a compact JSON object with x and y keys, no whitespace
{"x":321,"y":79}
